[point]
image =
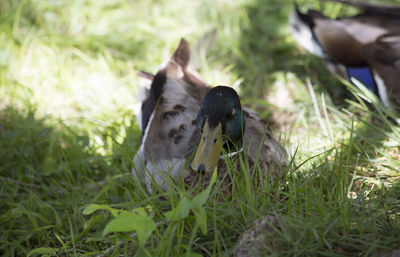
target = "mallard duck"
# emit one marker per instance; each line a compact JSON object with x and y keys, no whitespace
{"x":187,"y":125}
{"x":365,"y":46}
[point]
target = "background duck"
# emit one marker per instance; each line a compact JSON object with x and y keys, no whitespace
{"x":365,"y":47}
{"x":180,"y":113}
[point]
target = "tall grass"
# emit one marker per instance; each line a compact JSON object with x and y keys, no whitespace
{"x":67,"y":132}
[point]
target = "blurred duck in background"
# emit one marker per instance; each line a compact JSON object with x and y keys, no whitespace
{"x":365,"y":47}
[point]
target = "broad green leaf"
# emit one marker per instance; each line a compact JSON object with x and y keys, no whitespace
{"x":170,"y":214}
{"x":125,"y":222}
{"x":201,"y":219}
{"x":181,"y":211}
{"x":185,"y":204}
{"x":94,"y":207}
{"x":200,"y":199}
{"x":144,"y":211}
{"x":43,"y":250}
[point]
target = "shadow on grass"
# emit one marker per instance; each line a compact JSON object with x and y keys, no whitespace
{"x":49,"y":172}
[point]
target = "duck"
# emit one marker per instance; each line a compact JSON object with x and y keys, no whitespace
{"x":189,"y":127}
{"x":365,"y":47}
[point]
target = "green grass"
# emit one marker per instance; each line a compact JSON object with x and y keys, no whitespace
{"x":68,"y":134}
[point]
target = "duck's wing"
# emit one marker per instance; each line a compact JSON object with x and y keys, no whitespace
{"x":260,"y":144}
{"x":385,"y":50}
{"x":170,"y":134}
{"x":379,"y":35}
{"x":326,"y":38}
{"x":172,"y":123}
{"x":383,"y":56}
{"x":364,"y":47}
{"x":337,"y":41}
{"x":168,"y":121}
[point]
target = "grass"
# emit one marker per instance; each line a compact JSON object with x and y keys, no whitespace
{"x":68,"y":134}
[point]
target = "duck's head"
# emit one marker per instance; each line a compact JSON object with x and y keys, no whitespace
{"x":222,"y":125}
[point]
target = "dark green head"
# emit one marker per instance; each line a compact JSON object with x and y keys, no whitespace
{"x":222,"y":125}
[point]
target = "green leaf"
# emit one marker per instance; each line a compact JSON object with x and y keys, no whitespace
{"x":181,"y":211}
{"x":94,"y":207}
{"x":170,"y":214}
{"x":125,"y":222}
{"x":43,"y":250}
{"x":214,"y":177}
{"x":201,"y":219}
{"x":144,"y":211}
{"x":195,"y":204}
{"x":200,"y":199}
{"x":185,"y":204}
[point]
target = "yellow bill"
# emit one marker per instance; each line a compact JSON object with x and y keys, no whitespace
{"x":209,"y":149}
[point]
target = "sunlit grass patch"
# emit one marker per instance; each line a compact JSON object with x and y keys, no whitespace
{"x":67,"y":82}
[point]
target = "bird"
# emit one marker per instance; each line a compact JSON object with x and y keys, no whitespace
{"x":188,"y":126}
{"x":365,"y":47}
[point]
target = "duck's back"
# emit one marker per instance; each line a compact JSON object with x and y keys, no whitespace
{"x":170,"y":132}
{"x":168,"y":119}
